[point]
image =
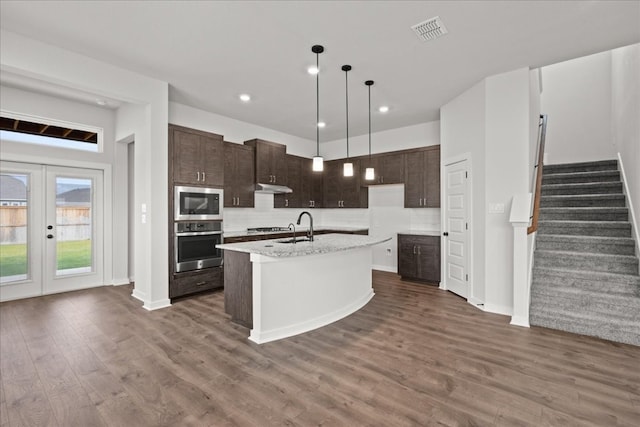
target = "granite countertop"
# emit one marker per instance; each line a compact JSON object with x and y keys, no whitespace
{"x":421,"y":232}
{"x":322,"y":244}
{"x":302,"y":227}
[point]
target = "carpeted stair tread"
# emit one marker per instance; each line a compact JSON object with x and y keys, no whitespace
{"x":580,"y":177}
{"x":579,"y":299}
{"x":594,"y":244}
{"x":582,"y":188}
{"x":585,"y":214}
{"x":612,"y":263}
{"x":632,"y":280}
{"x":585,"y":228}
{"x":601,"y":326}
{"x":581,"y":167}
{"x":583,"y":200}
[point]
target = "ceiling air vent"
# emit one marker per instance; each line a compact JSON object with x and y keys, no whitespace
{"x":430,"y":29}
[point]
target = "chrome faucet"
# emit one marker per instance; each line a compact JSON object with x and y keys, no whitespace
{"x":292,"y":227}
{"x":310,"y":234}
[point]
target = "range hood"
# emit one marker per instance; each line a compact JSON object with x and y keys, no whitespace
{"x":272,"y":189}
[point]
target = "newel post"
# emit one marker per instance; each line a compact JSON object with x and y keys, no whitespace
{"x":519,"y":219}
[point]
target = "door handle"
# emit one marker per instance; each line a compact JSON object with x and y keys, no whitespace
{"x":445,"y":234}
{"x":49,"y":227}
{"x":49,"y":236}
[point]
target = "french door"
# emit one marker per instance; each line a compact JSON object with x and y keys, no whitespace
{"x":51,"y":229}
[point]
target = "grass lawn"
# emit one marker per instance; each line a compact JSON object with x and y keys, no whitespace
{"x":71,"y":254}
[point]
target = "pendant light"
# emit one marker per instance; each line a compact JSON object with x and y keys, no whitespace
{"x":369,"y":172}
{"x":317,"y":160}
{"x":348,"y":166}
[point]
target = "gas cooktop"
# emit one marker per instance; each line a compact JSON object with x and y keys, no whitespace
{"x":266,"y":229}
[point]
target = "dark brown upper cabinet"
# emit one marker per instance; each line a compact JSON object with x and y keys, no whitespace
{"x":239,"y":178}
{"x":388,"y":168}
{"x":341,"y":191}
{"x":422,"y":178}
{"x":196,"y":157}
{"x":270,"y":161}
{"x":306,"y":185}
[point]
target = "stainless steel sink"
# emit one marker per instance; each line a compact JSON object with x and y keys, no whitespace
{"x":296,"y":240}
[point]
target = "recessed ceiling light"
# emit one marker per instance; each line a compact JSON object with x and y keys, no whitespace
{"x":321,"y":124}
{"x":313,"y":70}
{"x":383,"y":109}
{"x":245,"y":97}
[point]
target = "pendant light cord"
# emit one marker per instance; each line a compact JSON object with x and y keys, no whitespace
{"x":318,"y":105}
{"x":346,"y":88}
{"x":370,"y":123}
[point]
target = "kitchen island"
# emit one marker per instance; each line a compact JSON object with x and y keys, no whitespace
{"x":280,"y":289}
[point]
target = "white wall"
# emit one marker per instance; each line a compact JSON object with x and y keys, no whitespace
{"x":421,"y":135}
{"x":577,"y":99}
{"x":489,"y":125}
{"x":535,"y":111}
{"x":463,"y":135}
{"x":625,"y":106}
{"x":33,"y":58}
{"x":236,"y":130}
{"x":49,"y":107}
{"x":507,"y":160}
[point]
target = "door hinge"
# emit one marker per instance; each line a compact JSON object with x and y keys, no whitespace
{"x":466,"y":174}
{"x":467,"y":277}
{"x":466,"y":225}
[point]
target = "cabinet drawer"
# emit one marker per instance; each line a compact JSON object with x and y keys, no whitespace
{"x":190,"y":283}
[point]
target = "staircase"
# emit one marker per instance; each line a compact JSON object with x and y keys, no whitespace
{"x":585,"y":275}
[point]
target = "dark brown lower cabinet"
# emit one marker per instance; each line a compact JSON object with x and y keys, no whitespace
{"x":195,"y":281}
{"x":419,"y":257}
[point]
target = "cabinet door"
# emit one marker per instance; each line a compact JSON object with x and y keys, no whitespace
{"x":245,"y":182}
{"x":428,"y":262}
{"x":332,"y":184}
{"x":279,"y":165}
{"x":414,"y":180}
{"x":391,"y":169}
{"x":186,"y":157}
{"x":263,"y":164}
{"x":432,"y":179}
{"x":407,"y":260}
{"x":212,"y":162}
{"x":229,"y":175}
{"x":351,"y":187}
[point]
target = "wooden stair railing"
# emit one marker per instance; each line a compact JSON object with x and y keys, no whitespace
{"x":539,"y":166}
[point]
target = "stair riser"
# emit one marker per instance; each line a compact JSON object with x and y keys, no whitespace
{"x":616,"y":201}
{"x":610,"y":331}
{"x":627,"y":308}
{"x":620,"y":289}
{"x":576,"y":179}
{"x":584,"y":215}
{"x":581,"y":167}
{"x":613,"y":188}
{"x":577,"y":230}
{"x":587,"y":262}
{"x":600,"y":248}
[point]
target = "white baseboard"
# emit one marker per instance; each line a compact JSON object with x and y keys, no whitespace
{"x":498,"y":309}
{"x":157,"y":305}
{"x":385,"y":268}
{"x":519,"y":321}
{"x":140,"y":296}
{"x":120,"y":282}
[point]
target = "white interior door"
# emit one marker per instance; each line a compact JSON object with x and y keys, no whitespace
{"x":457,"y":229}
{"x":51,"y":229}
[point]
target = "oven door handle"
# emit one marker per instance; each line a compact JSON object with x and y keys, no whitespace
{"x":199,"y":233}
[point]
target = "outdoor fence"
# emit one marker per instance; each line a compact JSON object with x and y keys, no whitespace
{"x":73,"y":223}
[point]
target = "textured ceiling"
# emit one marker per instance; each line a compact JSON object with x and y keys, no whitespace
{"x":210,"y":52}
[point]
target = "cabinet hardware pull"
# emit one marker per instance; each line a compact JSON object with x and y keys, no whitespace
{"x":201,"y":283}
{"x":286,"y":203}
{"x":204,"y":177}
{"x":419,"y":253}
{"x":414,"y":249}
{"x":198,"y":175}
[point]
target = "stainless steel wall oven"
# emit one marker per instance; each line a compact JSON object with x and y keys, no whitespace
{"x":195,"y":245}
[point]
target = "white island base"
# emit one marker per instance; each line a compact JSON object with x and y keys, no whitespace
{"x":292,"y":295}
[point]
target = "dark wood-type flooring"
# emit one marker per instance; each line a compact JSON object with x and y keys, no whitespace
{"x":414,"y":356}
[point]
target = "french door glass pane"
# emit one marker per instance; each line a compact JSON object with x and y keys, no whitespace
{"x":74,"y":253}
{"x":14,"y":248}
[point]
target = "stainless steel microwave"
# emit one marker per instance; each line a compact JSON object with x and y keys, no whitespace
{"x":197,"y":203}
